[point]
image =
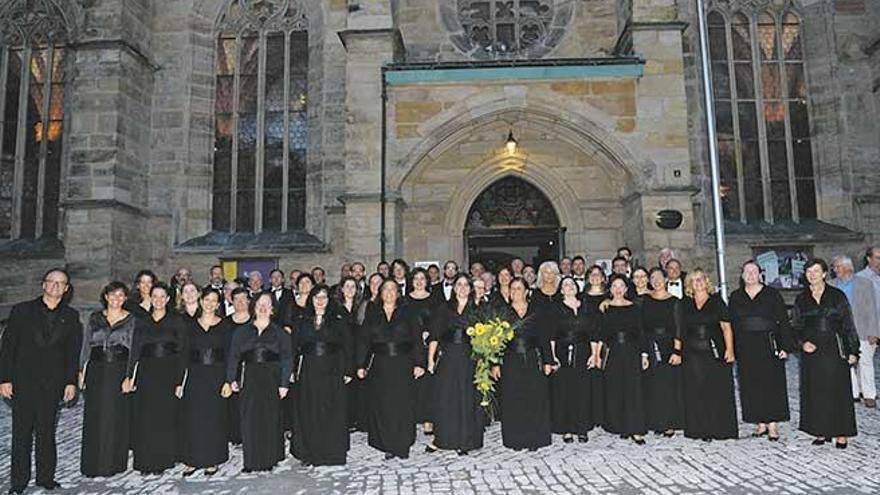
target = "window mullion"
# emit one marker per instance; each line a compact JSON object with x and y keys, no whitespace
{"x":44,"y":142}
{"x":233,"y":172}
{"x":4,"y":66}
{"x":20,"y":142}
{"x":516,"y":27}
{"x":261,"y":131}
{"x":789,"y":148}
{"x":285,"y":160}
{"x":762,"y":125}
{"x":493,"y":31}
{"x":737,"y":137}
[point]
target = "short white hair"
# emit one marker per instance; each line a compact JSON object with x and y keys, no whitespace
{"x":843,"y":259}
{"x":553,"y":266}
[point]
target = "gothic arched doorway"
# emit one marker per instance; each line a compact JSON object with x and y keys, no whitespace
{"x":512,"y":218}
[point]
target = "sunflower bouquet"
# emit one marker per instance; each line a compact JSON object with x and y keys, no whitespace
{"x":488,"y":340}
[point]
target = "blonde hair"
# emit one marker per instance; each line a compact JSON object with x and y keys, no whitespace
{"x":554,"y":267}
{"x":689,"y":281}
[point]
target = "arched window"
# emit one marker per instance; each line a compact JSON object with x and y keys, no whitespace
{"x":260,"y":117}
{"x":763,"y":124}
{"x":34,"y":50}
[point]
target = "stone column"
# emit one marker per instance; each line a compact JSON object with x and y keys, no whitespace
{"x":371,"y":41}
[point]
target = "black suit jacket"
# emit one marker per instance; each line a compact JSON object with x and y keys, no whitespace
{"x":33,"y":362}
{"x":281,"y":304}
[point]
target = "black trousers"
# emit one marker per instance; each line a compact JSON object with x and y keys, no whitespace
{"x":33,"y":415}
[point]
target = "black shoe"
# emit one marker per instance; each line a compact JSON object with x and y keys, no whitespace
{"x":669,"y":434}
{"x":639,"y":441}
{"x":462,"y":452}
{"x":533,"y":449}
{"x":583,"y":439}
{"x":389,"y":456}
{"x":819,"y":441}
{"x":430,"y":449}
{"x":759,"y":433}
{"x":16,"y":490}
{"x":841,"y":445}
{"x":568,"y":439}
{"x":707,"y":440}
{"x":773,"y":438}
{"x":624,"y":437}
{"x":428,"y":433}
{"x":49,"y":486}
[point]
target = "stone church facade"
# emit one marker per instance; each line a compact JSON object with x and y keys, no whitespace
{"x":167,"y":133}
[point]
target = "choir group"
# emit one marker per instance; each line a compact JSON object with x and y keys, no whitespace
{"x":176,"y":372}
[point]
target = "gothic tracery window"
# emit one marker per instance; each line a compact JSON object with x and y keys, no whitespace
{"x":511,"y":202}
{"x":762,"y":117}
{"x":34,"y":38}
{"x":260,"y":117}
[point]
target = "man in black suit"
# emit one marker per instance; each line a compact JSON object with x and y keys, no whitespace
{"x":39,"y":360}
{"x":281,"y":296}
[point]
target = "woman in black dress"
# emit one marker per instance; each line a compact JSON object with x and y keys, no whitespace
{"x":763,"y":340}
{"x":661,"y":314}
{"x":205,"y":391}
{"x":624,"y":362}
{"x":346,"y":303}
{"x":594,"y":293}
{"x":458,"y":417}
{"x":322,"y":351}
{"x":188,"y":300}
{"x":368,"y":306}
{"x":138,"y":302}
{"x":500,"y":297}
{"x":391,"y":359}
{"x":263,"y":349}
{"x":707,"y":362}
{"x":641,"y":282}
{"x":546,"y":291}
{"x":156,"y":378}
{"x":292,"y":314}
{"x":420,"y":307}
{"x":525,"y":423}
{"x":575,"y":344}
{"x":241,"y":303}
{"x":823,"y":323}
{"x":104,"y":362}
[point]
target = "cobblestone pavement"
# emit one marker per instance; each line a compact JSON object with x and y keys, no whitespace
{"x":606,"y":464}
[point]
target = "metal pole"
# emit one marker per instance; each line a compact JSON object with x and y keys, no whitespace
{"x":717,"y":213}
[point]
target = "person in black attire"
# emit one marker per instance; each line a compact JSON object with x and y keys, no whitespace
{"x":104,"y":363}
{"x":205,"y":412}
{"x":38,"y":368}
{"x":458,"y":418}
{"x":281,"y":295}
{"x":242,"y":317}
{"x":188,"y":300}
{"x":500,"y":297}
{"x":323,"y":355}
{"x":525,"y":423}
{"x":707,"y":361}
{"x":155,"y":375}
{"x":575,"y":344}
{"x":641,"y":283}
{"x":624,"y":361}
{"x":421,"y":305}
{"x":546,"y":291}
{"x":661,"y":314}
{"x":346,"y":301}
{"x":138,"y":302}
{"x":391,"y":342}
{"x":293,"y":312}
{"x":400,"y":274}
{"x":823,"y":324}
{"x":264,"y":350}
{"x":763,"y":340}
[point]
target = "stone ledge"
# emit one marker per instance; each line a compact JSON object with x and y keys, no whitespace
{"x":43,"y":248}
{"x":788,"y":232}
{"x":297,"y":241}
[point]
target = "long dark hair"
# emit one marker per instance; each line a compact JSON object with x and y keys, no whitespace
{"x":207,"y":291}
{"x":134,"y":295}
{"x":338,"y":297}
{"x":453,"y":300}
{"x":310,"y":304}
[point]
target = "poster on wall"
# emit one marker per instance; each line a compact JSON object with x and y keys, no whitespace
{"x":242,"y":268}
{"x":783,"y":267}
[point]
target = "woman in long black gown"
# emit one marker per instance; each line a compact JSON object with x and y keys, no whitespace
{"x":392,"y":343}
{"x":138,"y":302}
{"x":625,"y":360}
{"x":263,"y":349}
{"x":366,"y":311}
{"x":420,"y":307}
{"x":707,"y":362}
{"x":346,"y":303}
{"x":458,"y":419}
{"x":661,"y":314}
{"x":104,"y":362}
{"x":290,"y":318}
{"x":155,"y":378}
{"x":241,"y":303}
{"x":575,"y":344}
{"x":593,"y":294}
{"x":763,"y":340}
{"x":205,"y":411}
{"x":322,"y":350}
{"x":525,"y":423}
{"x":823,"y":323}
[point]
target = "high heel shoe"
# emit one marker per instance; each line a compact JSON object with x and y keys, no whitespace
{"x":211,"y":471}
{"x":669,"y":434}
{"x":819,"y":441}
{"x":430,"y":449}
{"x":841,"y":445}
{"x":583,"y":439}
{"x":188,"y":472}
{"x":567,"y":439}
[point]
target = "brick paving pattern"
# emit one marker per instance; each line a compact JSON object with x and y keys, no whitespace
{"x":606,"y":464}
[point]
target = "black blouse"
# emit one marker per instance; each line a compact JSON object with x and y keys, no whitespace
{"x":569,"y":325}
{"x":662,"y":317}
{"x":765,"y":313}
{"x":622,"y":323}
{"x":217,"y":336}
{"x":400,"y":329}
{"x":811,"y":321}
{"x":451,"y":326}
{"x":273,"y":338}
{"x":704,"y":323}
{"x":333,"y":333}
{"x":101,"y":334}
{"x":532,"y":328}
{"x":170,"y":331}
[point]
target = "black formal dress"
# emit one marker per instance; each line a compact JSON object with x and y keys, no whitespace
{"x":352,"y":394}
{"x":458,"y":417}
{"x":571,"y":386}
{"x":420,"y":310}
{"x":826,"y":402}
{"x":292,"y":319}
{"x":158,"y":368}
{"x":597,"y":375}
{"x":205,"y":413}
{"x":761,"y":330}
{"x":266,"y":365}
{"x":323,"y":357}
{"x":390,"y":348}
{"x":39,"y":356}
{"x":622,"y":334}
{"x":233,"y":404}
{"x":664,"y":391}
{"x":107,"y":415}
{"x":133,"y":306}
{"x":525,"y":422}
{"x":709,"y":404}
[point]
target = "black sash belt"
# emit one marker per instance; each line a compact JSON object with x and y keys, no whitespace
{"x":320,"y":349}
{"x":820,"y":324}
{"x":456,"y":337}
{"x":208,"y":356}
{"x":113,"y":354}
{"x":757,"y":324}
{"x":158,"y":349}
{"x":391,"y":348}
{"x":622,"y":338}
{"x":703,"y":332}
{"x":260,"y":355}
